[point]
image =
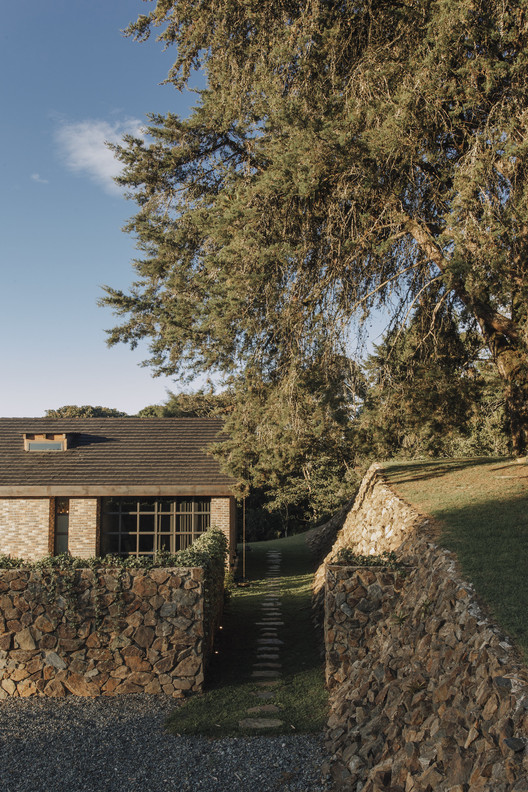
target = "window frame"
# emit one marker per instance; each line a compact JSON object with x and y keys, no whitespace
{"x":117,"y":540}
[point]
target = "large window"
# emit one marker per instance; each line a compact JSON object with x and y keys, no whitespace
{"x":143,"y":526}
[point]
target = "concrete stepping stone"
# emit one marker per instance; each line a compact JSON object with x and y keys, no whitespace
{"x":265,"y":674}
{"x":267,"y":665}
{"x":270,"y":642}
{"x":268,"y":623}
{"x":264,"y":709}
{"x":260,"y":723}
{"x":268,"y":683}
{"x":265,"y":695}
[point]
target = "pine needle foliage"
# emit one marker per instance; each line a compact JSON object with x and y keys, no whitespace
{"x":343,"y":155}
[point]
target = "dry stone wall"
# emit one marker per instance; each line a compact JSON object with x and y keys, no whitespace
{"x":105,"y":631}
{"x":426,"y":692}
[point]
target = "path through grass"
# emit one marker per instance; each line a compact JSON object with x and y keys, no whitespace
{"x":482,"y":510}
{"x":230,"y":692}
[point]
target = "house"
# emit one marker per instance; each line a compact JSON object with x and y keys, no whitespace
{"x":126,"y":486}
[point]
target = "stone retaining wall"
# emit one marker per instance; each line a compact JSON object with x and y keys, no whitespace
{"x":426,"y":693}
{"x":105,"y":631}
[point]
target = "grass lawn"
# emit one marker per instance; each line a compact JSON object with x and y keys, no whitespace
{"x":230,"y":692}
{"x":481,"y":507}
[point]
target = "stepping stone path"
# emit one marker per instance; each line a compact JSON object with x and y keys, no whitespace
{"x":267,"y":666}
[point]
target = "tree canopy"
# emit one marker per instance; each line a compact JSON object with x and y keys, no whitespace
{"x":344,"y":155}
{"x":431,"y":395}
{"x":84,"y":411}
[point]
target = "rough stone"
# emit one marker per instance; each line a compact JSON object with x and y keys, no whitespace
{"x":425,"y":691}
{"x":142,"y":619}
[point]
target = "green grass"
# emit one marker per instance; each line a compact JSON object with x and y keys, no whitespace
{"x":481,"y":511}
{"x":229,"y":691}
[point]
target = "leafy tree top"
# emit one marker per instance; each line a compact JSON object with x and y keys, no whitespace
{"x":85,"y":411}
{"x":343,"y":155}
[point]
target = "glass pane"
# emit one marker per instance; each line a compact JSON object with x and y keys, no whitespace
{"x":165,"y":504}
{"x":146,"y":522}
{"x":164,"y":542}
{"x":164,"y":523}
{"x":44,"y":445}
{"x":128,"y":543}
{"x":62,"y":505}
{"x":128,"y":504}
{"x":182,"y":541}
{"x":111,"y":504}
{"x":110,"y":544}
{"x":146,"y":543}
{"x":202,"y":522}
{"x":184,"y":505}
{"x":61,"y":543}
{"x":184,"y":523}
{"x":147,"y":504}
{"x":129,"y":522}
{"x":202,"y":504}
{"x":110,"y":523}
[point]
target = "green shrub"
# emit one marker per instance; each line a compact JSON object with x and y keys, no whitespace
{"x":209,"y":550}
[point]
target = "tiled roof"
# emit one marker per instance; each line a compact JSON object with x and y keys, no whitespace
{"x":146,"y":456}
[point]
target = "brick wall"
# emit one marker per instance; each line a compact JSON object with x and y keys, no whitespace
{"x":223,"y":516}
{"x":24,"y":527}
{"x":83,"y":527}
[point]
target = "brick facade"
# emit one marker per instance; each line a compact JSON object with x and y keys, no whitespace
{"x":83,"y":527}
{"x":25,"y":527}
{"x":223,"y":516}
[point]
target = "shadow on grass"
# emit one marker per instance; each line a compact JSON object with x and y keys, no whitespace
{"x":481,"y":509}
{"x":490,"y":539}
{"x":401,"y":472}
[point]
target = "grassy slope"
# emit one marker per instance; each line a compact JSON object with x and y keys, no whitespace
{"x":482,"y":510}
{"x":230,"y":691}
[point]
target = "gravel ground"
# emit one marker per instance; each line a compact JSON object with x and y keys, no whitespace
{"x":118,"y":744}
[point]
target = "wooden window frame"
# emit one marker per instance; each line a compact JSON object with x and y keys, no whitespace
{"x":160,"y":508}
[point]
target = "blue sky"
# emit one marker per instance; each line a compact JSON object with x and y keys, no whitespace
{"x":69,"y":81}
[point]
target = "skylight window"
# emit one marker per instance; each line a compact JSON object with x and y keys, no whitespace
{"x":45,"y":442}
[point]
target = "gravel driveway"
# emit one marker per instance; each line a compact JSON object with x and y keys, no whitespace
{"x":119,"y":745}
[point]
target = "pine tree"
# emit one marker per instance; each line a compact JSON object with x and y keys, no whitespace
{"x":342,"y":156}
{"x":431,"y":392}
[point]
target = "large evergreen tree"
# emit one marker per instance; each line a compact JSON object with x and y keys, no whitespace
{"x":431,"y":394}
{"x":343,"y":154}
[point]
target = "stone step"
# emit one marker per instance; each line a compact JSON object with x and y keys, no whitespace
{"x":264,"y":709}
{"x":260,"y":723}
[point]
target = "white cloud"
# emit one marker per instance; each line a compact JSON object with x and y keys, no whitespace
{"x":83,"y":148}
{"x":38,"y":178}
